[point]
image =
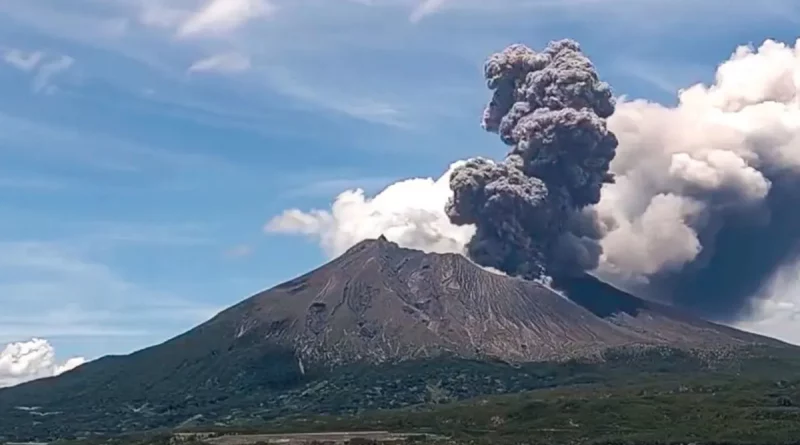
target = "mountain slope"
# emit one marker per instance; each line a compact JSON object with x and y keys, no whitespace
{"x":380,"y":302}
{"x":376,"y":304}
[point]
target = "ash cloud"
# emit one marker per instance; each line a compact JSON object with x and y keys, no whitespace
{"x":705,"y":208}
{"x":703,"y":211}
{"x":551,"y":109}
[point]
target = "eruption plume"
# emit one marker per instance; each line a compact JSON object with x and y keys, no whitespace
{"x":697,"y":204}
{"x":551,"y":108}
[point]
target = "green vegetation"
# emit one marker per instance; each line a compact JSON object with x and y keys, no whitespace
{"x":708,"y":409}
{"x":648,"y":396}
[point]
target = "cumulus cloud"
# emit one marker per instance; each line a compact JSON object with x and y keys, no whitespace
{"x":224,"y":15}
{"x":35,"y":359}
{"x":409,"y":212}
{"x":702,"y":211}
{"x":222,"y":63}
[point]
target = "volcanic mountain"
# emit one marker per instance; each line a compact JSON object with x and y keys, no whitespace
{"x":377,"y":305}
{"x":379,"y":302}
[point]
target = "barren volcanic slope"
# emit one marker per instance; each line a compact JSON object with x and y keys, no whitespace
{"x":379,"y":302}
{"x":375,"y":304}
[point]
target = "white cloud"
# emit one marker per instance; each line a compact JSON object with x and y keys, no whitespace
{"x":35,"y":359}
{"x":222,"y":63}
{"x":224,"y":15}
{"x":706,"y":156}
{"x":409,"y":212}
{"x":44,"y":68}
{"x":426,"y":8}
{"x":21,"y":60}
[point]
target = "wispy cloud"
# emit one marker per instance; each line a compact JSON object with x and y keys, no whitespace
{"x":56,"y":289}
{"x":224,"y":15}
{"x":667,"y":76}
{"x":59,"y":144}
{"x":240,"y":251}
{"x":222,"y":63}
{"x":21,"y":60}
{"x":633,"y":13}
{"x":426,"y":8}
{"x":31,"y":183}
{"x":45,"y":68}
{"x":161,"y":14}
{"x":109,"y":235}
{"x":354,"y":105}
{"x":43,"y":81}
{"x":330,"y":187}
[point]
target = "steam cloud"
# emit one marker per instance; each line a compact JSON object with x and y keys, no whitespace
{"x":705,"y":207}
{"x":410,"y":213}
{"x":703,"y":210}
{"x":25,"y":361}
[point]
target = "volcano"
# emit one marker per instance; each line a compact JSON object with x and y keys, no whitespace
{"x":375,"y":307}
{"x":379,"y":302}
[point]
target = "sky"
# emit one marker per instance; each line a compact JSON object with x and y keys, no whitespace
{"x":144,"y":144}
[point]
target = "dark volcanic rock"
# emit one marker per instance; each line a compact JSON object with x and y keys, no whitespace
{"x":376,"y":304}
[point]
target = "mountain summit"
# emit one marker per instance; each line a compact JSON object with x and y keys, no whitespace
{"x":376,"y":305}
{"x":379,"y":302}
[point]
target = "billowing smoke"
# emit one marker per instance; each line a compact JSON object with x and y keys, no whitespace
{"x":35,"y":359}
{"x":705,"y":203}
{"x":410,"y":213}
{"x":550,"y":107}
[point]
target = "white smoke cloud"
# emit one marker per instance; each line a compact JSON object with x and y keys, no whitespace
{"x":706,"y":155}
{"x":35,"y":359}
{"x":410,"y":213}
{"x":677,"y":169}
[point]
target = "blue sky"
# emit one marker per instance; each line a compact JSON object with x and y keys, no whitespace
{"x":144,"y":143}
